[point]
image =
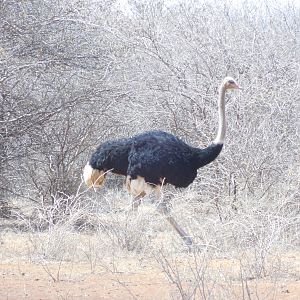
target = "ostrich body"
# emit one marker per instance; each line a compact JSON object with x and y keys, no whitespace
{"x":157,"y":156}
{"x":154,"y":158}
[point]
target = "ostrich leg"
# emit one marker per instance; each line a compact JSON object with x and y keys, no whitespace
{"x":163,"y":209}
{"x":136,"y":201}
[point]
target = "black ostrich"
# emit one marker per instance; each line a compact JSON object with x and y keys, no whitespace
{"x":155,"y":158}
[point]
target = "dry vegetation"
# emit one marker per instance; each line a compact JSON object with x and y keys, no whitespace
{"x":76,"y":73}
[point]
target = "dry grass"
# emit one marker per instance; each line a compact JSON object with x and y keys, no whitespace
{"x":249,"y":253}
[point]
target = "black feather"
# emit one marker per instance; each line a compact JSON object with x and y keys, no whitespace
{"x":156,"y":156}
{"x":112,"y":155}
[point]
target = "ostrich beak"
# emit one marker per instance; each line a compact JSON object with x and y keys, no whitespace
{"x":236,"y":86}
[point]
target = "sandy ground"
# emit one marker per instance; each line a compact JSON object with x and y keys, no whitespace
{"x":28,"y":281}
{"x":75,"y":281}
{"x":24,"y":274}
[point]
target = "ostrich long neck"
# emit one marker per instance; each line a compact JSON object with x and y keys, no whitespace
{"x":222,"y":126}
{"x":210,"y":153}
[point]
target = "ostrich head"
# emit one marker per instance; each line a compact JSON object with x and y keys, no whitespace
{"x":230,"y":84}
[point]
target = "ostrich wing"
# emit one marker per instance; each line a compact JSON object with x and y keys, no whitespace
{"x":158,"y":156}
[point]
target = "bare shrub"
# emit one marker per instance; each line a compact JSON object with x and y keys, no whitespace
{"x":206,"y":275}
{"x":77,"y":73}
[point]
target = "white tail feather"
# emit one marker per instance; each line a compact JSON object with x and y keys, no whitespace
{"x":93,"y":177}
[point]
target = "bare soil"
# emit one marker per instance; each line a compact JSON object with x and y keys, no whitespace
{"x":26,"y":274}
{"x":20,"y":280}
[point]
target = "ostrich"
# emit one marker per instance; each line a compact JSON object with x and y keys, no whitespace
{"x":155,"y":158}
